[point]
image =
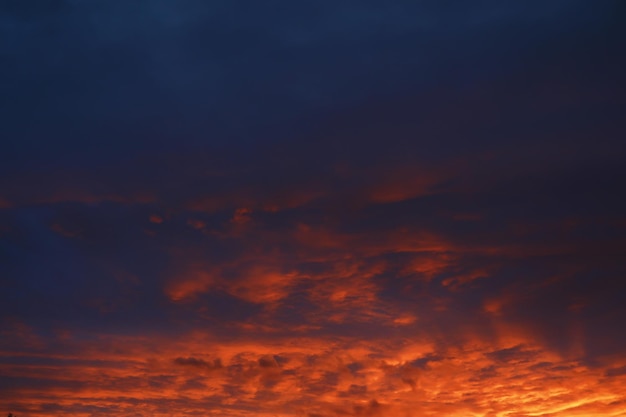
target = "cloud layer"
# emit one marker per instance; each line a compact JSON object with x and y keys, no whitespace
{"x":316,"y":210}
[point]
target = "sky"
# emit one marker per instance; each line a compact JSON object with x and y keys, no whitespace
{"x":329,"y":208}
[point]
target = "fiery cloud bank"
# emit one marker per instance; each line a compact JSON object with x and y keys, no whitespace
{"x":347,"y":209}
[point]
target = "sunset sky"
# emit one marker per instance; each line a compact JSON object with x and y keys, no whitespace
{"x":313,"y":208}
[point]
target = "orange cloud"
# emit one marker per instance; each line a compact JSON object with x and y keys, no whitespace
{"x":155,"y":218}
{"x":342,"y":315}
{"x":194,"y":282}
{"x":199,"y":373}
{"x":325,"y":377}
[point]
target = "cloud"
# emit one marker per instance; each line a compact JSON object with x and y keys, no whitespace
{"x":616,"y":371}
{"x":374,"y":377}
{"x":199,"y":363}
{"x":316,"y":210}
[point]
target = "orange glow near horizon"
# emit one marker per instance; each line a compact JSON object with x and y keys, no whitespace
{"x":326,"y":338}
{"x":294,"y":376}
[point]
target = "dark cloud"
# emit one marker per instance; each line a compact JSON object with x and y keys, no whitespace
{"x":199,"y":363}
{"x":514,"y":354}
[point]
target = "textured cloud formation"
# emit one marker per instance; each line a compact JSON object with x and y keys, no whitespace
{"x":303,"y":376}
{"x":329,"y":209}
{"x":458,"y":299}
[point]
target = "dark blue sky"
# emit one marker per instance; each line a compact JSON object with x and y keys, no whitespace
{"x":95,"y":79}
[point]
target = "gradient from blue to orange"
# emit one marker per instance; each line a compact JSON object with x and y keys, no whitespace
{"x":312,"y":209}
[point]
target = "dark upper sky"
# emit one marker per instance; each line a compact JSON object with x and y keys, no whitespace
{"x":312,"y":208}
